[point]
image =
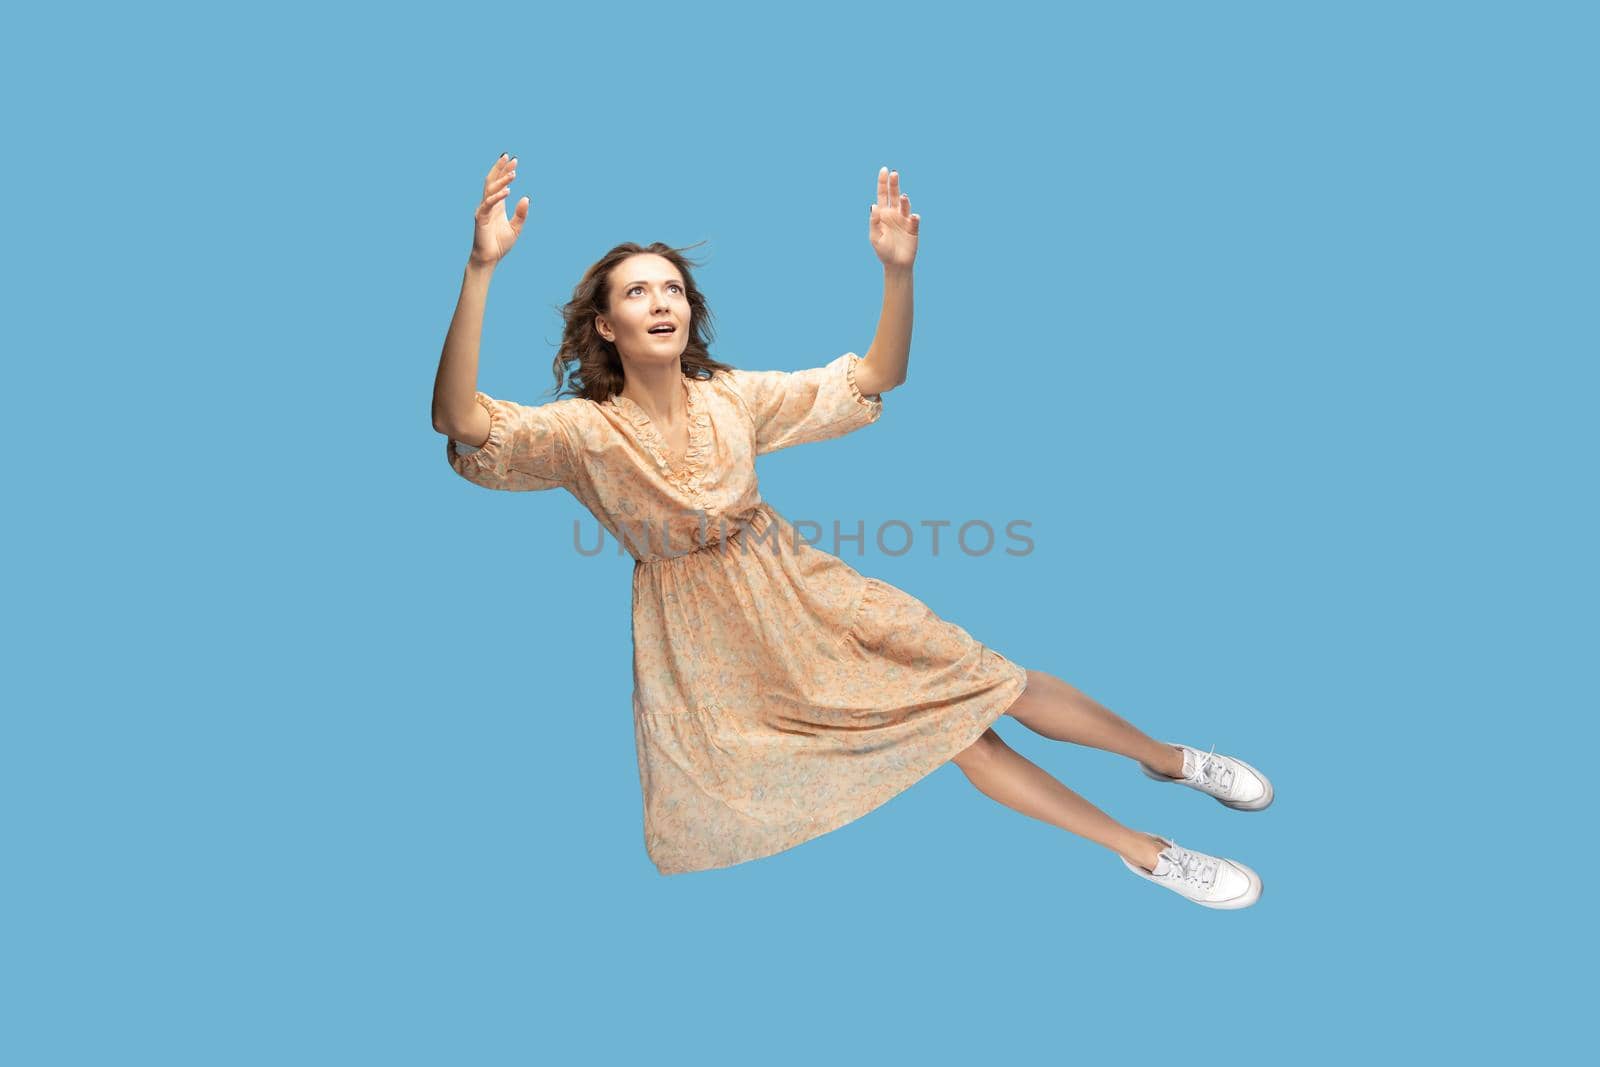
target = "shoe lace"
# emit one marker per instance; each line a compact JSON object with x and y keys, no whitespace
{"x":1213,"y":770}
{"x":1192,"y":867}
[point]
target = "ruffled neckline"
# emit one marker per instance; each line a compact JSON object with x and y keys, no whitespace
{"x":699,"y":432}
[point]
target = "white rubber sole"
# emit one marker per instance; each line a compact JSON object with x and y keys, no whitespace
{"x":1253,"y":805}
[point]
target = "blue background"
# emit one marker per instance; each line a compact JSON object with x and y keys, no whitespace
{"x":1275,"y":321}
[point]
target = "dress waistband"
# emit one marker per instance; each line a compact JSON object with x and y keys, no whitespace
{"x":727,"y":538}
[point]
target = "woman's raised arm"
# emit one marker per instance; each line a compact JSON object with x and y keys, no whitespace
{"x":456,"y":412}
{"x":892,"y":228}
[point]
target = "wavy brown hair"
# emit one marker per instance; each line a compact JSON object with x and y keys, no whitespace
{"x":587,"y":365}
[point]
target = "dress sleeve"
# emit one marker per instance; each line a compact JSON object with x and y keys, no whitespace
{"x":529,"y":448}
{"x":796,"y":407}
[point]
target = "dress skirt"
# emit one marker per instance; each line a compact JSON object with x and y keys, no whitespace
{"x":779,"y":694}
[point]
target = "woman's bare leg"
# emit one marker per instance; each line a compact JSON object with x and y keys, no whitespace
{"x":1003,"y":774}
{"x":1052,"y":708}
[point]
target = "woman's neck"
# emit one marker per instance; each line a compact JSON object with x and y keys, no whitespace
{"x":659,"y":393}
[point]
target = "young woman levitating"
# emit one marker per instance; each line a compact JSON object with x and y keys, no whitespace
{"x":778,"y":694}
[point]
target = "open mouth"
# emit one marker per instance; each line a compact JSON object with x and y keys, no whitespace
{"x":663,"y":331}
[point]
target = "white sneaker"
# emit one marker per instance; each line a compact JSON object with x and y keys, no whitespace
{"x":1207,"y":880}
{"x":1232,"y":781}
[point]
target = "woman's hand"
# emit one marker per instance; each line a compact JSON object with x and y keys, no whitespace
{"x":892,"y":227}
{"x":494,"y":234}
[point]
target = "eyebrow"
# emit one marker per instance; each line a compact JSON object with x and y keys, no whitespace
{"x":670,"y":281}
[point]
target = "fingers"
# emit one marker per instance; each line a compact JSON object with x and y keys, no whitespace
{"x":889,"y":194}
{"x":504,"y":169}
{"x":491,"y":200}
{"x":896,"y":197}
{"x":496,"y":181}
{"x":892,"y":205}
{"x":497,"y":186}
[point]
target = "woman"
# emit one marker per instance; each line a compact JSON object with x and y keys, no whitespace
{"x":778,"y":694}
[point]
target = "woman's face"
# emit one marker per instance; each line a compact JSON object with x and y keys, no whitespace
{"x":647,"y":291}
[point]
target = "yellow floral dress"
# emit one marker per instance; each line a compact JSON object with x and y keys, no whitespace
{"x":778,"y":694}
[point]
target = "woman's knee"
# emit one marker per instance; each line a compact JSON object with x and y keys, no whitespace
{"x":986,"y":747}
{"x":1038,"y":682}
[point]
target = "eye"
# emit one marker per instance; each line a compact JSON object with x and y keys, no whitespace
{"x":673,"y":285}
